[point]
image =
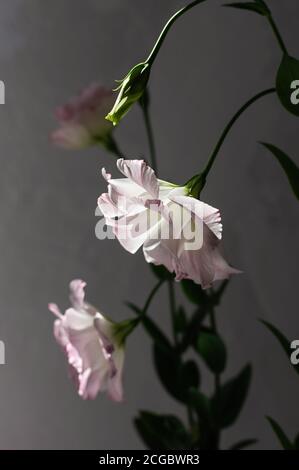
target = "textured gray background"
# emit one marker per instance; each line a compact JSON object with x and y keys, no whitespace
{"x":213,"y":60}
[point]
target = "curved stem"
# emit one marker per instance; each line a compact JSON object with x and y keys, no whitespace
{"x":111,"y":145}
{"x":144,"y":103}
{"x":277,"y":34}
{"x":150,"y":298}
{"x":217,"y":380}
{"x":229,"y":126}
{"x":214,"y":329}
{"x":166,"y":28}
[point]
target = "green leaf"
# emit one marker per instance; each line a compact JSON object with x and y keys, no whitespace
{"x":286,"y":87}
{"x":206,"y":434}
{"x":202,"y":405}
{"x":284,"y":342}
{"x":176,"y":376}
{"x":156,"y":334}
{"x":151,"y":328}
{"x":180,"y":320}
{"x":290,"y":168}
{"x":227,"y":404}
{"x":259,"y":7}
{"x":189,"y":376}
{"x":244,"y":443}
{"x":193,"y":292}
{"x":217,"y":294}
{"x":162,"y":432}
{"x":193,"y":328}
{"x":212,"y":349}
{"x":282,"y":437}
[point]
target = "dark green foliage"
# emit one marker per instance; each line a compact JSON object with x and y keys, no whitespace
{"x":290,"y":168}
{"x":212,"y":349}
{"x":176,"y":375}
{"x":257,"y":7}
{"x":281,"y":436}
{"x":227,"y":404}
{"x":162,"y":432}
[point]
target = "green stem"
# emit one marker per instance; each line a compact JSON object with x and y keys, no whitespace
{"x":144,"y":103}
{"x":277,"y":34}
{"x":192,"y":329}
{"x":172,"y":310}
{"x":166,"y":28}
{"x":214,"y":329}
{"x":111,"y":145}
{"x":150,"y":298}
{"x":191,"y":420}
{"x":217,"y":383}
{"x":214,"y":154}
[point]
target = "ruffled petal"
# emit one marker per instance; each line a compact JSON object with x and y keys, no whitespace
{"x":222,"y":269}
{"x":92,"y":382}
{"x":208,"y":214}
{"x":198,"y":264}
{"x":141,"y":174}
{"x":114,"y":385}
{"x":87,"y":339}
{"x":77,"y":293}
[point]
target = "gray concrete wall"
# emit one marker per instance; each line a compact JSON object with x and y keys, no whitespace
{"x":213,"y":60}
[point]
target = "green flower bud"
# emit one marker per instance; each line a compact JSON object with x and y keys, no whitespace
{"x":131,"y":89}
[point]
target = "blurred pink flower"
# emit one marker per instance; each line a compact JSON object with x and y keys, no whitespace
{"x":175,"y":229}
{"x":95,"y":357}
{"x":82,"y":120}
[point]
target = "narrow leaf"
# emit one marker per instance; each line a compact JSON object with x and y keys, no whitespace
{"x":193,"y":328}
{"x":177,"y":377}
{"x":202,"y":405}
{"x":259,"y":8}
{"x":244,"y":443}
{"x":180,"y":320}
{"x":207,"y":434}
{"x":189,"y":377}
{"x":280,"y":434}
{"x":149,"y":325}
{"x":290,"y":168}
{"x":162,"y":432}
{"x":212,"y":349}
{"x":227,"y":404}
{"x":284,"y":342}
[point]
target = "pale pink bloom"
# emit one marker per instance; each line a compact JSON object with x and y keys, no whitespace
{"x":145,"y":211}
{"x":82,"y":120}
{"x":95,"y":358}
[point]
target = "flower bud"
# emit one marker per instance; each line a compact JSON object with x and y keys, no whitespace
{"x":82,"y":120}
{"x":131,"y":89}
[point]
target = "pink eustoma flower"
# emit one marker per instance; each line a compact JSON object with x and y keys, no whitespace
{"x":82,"y":120}
{"x":175,"y":229}
{"x":94,"y":355}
